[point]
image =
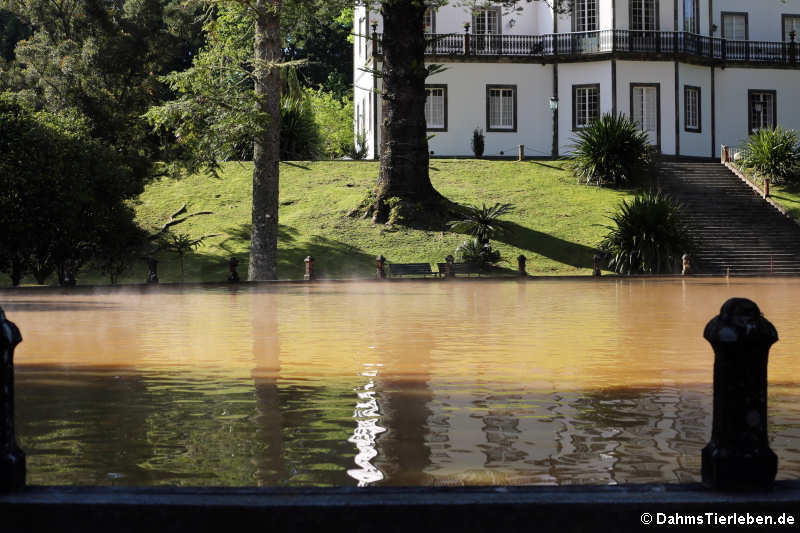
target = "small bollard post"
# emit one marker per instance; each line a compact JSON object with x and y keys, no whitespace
{"x":152,"y":265}
{"x":450,"y":272}
{"x":309,"y":276}
{"x":738,"y":457}
{"x":766,"y":187}
{"x":521,"y":153}
{"x":380,"y":262}
{"x":521,"y":260}
{"x":724,"y":154}
{"x":596,"y":266}
{"x":233,"y":274}
{"x":687,"y":265}
{"x":12,"y":458}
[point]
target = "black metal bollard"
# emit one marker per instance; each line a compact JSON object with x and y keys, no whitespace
{"x":380,"y":273}
{"x":450,"y":271}
{"x":233,"y":274}
{"x":12,"y":458}
{"x":309,"y":275}
{"x":738,"y":457}
{"x":152,"y":265}
{"x":521,"y":260}
{"x":686,"y":262}
{"x":596,"y":266}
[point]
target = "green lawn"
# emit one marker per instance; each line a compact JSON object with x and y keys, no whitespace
{"x":557,"y":222}
{"x":787,"y":196}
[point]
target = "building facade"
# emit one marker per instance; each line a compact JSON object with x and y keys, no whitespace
{"x":695,"y":74}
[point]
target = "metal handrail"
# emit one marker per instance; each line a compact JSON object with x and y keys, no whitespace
{"x":579,"y":44}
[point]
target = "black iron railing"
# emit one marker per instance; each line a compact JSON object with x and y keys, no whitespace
{"x":566,"y":45}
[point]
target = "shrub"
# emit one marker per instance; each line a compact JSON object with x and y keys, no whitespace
{"x":773,"y":154}
{"x":477,"y":142}
{"x":648,"y":236}
{"x":334,"y":117}
{"x":477,"y":253}
{"x":358,"y":149}
{"x":611,"y":150}
{"x":482,"y":222}
{"x":300,"y":136}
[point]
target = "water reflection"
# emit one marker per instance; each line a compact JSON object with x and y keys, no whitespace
{"x":367,"y":415}
{"x":386,"y":384}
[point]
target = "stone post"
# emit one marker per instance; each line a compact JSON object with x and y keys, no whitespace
{"x":309,"y":276}
{"x":521,"y":152}
{"x":687,"y":265}
{"x":152,"y":265}
{"x":450,"y":272}
{"x":766,"y":187}
{"x":233,"y":274}
{"x":12,"y":458}
{"x":596,"y":266}
{"x":738,"y":456}
{"x":380,"y":262}
{"x":724,"y":154}
{"x":521,"y":260}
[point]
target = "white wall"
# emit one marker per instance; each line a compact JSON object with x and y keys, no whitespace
{"x":661,"y":72}
{"x":692,"y":143}
{"x":732,"y":85}
{"x":466,"y":95}
{"x":579,"y":74}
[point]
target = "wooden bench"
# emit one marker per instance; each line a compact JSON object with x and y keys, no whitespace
{"x":410,"y":269}
{"x":459,"y":268}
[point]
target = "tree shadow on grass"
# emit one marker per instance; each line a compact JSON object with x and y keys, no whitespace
{"x":332,"y":259}
{"x":541,"y":164}
{"x":568,"y":253}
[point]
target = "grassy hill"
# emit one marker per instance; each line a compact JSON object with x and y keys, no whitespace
{"x":557,"y":222}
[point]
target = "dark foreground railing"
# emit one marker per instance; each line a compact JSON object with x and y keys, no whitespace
{"x":571,"y":45}
{"x":737,"y":458}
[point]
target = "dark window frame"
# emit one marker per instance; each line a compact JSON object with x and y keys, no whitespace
{"x":746,"y":23}
{"x":686,"y":90}
{"x":575,"y":88}
{"x":657,"y":15}
{"x":499,"y":11}
{"x":488,"y":106}
{"x":696,"y":17}
{"x":444,"y":87}
{"x":433,"y":20}
{"x":785,"y":16}
{"x":596,"y":17}
{"x":658,"y":107}
{"x":774,"y":94}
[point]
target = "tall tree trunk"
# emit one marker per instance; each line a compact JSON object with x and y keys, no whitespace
{"x":404,"y":142}
{"x":266,"y":148}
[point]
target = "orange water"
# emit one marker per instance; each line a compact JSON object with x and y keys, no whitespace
{"x":544,"y":382}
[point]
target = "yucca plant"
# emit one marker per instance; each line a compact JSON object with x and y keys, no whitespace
{"x":477,"y":253}
{"x":482,"y":222}
{"x":648,"y":235}
{"x":610,"y":150}
{"x":773,"y":154}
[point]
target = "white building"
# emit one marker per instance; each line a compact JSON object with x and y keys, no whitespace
{"x":696,"y":74}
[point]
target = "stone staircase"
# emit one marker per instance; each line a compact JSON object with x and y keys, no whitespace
{"x":735,"y":227}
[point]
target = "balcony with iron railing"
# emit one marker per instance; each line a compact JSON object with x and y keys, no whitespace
{"x":621,"y":43}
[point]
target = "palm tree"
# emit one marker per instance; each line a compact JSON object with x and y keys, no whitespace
{"x":482,"y":222}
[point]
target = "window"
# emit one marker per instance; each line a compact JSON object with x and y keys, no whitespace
{"x":762,"y":110}
{"x":584,"y":15}
{"x":791,"y":23}
{"x":691,"y":16}
{"x":436,"y":107}
{"x":585,"y":105}
{"x":734,"y":26}
{"x":643,"y":15}
{"x":486,"y":21}
{"x":691,"y":109}
{"x":501,"y":108}
{"x":429,"y":20}
{"x":645,"y":109}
